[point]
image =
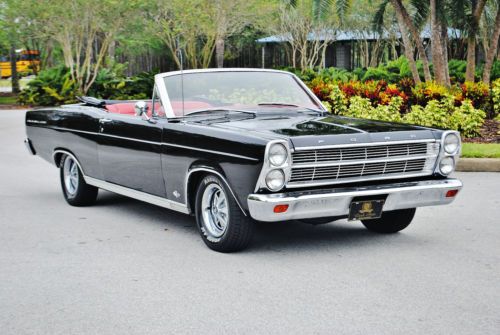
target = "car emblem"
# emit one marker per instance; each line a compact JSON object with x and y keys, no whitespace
{"x":176,"y":194}
{"x":321,"y":141}
{"x":354,"y":139}
{"x":387,"y":138}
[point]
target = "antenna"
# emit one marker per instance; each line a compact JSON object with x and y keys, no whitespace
{"x":181,"y":59}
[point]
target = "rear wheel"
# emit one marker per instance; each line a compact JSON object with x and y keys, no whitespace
{"x":391,"y":222}
{"x":75,"y":190}
{"x":222,"y":225}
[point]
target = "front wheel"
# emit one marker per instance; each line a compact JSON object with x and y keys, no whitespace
{"x":222,"y":225}
{"x":391,"y":222}
{"x":75,"y":190}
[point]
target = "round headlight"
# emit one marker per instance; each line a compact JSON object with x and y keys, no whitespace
{"x":451,"y":143}
{"x":446,"y":165}
{"x":275,"y":179}
{"x":277,"y":154}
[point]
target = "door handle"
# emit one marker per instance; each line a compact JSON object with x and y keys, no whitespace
{"x":105,"y":120}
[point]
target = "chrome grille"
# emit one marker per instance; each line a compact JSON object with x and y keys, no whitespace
{"x":353,"y":163}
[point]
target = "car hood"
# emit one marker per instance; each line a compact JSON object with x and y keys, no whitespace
{"x":304,"y":130}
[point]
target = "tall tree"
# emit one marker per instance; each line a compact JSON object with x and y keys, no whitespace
{"x":437,"y":43}
{"x":492,"y":49}
{"x":309,"y":27}
{"x":406,"y":39}
{"x":472,"y":30}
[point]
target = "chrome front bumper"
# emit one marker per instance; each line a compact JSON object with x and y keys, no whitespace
{"x":336,"y":202}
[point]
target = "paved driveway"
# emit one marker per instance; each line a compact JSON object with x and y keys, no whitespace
{"x":126,"y":267}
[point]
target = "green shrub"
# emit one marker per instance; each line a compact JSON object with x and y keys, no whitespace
{"x":50,"y":88}
{"x":467,"y":119}
{"x":444,"y":114}
{"x":362,"y":108}
{"x":457,"y":69}
{"x":338,"y":101}
{"x":495,"y":97}
{"x":54,"y":86}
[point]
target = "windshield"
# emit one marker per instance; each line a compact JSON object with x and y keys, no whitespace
{"x":233,"y":90}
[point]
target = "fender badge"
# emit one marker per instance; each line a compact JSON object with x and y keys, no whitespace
{"x":354,"y":139}
{"x":176,"y":194}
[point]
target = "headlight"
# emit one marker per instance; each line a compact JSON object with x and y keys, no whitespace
{"x":446,"y":165}
{"x":275,"y":179}
{"x":277,"y":154}
{"x":451,"y":143}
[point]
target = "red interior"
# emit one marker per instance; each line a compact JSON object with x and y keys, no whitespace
{"x":128,"y":108}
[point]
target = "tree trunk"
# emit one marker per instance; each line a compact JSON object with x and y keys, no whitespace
{"x":406,"y":41}
{"x":13,"y":66}
{"x":492,"y":50}
{"x":416,"y":38}
{"x":437,"y":46}
{"x":219,"y":51}
{"x":471,"y":40}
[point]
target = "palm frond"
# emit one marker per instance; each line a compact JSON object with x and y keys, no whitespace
{"x":342,"y":6}
{"x":421,"y":12}
{"x":378,"y":18}
{"x":321,"y":8}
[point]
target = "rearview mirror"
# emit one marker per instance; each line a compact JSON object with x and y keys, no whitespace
{"x":141,"y":109}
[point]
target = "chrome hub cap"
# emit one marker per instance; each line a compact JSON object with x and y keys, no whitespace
{"x":70,"y":175}
{"x":215,"y":210}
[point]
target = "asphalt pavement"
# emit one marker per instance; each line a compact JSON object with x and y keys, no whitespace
{"x":127,"y":267}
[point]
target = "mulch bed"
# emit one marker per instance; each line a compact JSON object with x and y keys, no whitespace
{"x":490,"y":133}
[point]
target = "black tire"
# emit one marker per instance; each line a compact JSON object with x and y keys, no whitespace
{"x":229,"y":235}
{"x":391,"y":222}
{"x":79,"y":193}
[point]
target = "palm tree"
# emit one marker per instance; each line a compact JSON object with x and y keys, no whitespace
{"x":407,"y":27}
{"x":493,"y":47}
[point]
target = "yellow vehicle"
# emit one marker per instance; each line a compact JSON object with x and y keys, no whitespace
{"x":28,"y":62}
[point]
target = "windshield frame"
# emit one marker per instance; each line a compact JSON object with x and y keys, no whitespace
{"x":162,"y":89}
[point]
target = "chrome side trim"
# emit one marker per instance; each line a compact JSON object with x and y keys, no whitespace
{"x":186,"y":182}
{"x":350,"y":145}
{"x":336,"y":202}
{"x":138,"y":195}
{"x":156,"y":143}
{"x":128,"y":192}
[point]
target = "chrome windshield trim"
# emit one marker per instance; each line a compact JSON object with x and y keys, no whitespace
{"x":363,"y":161}
{"x":162,"y":89}
{"x":370,"y":144}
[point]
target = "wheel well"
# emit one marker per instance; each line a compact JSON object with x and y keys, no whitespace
{"x":57,"y":158}
{"x":193,"y":182}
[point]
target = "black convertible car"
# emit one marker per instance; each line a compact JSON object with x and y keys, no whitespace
{"x":235,"y":145}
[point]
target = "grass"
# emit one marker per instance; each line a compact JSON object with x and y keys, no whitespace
{"x":481,"y":150}
{"x":8,"y":100}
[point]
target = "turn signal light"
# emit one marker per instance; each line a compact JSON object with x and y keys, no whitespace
{"x":280,"y":208}
{"x":451,"y":193}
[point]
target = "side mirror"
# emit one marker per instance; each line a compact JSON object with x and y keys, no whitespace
{"x":141,"y":109}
